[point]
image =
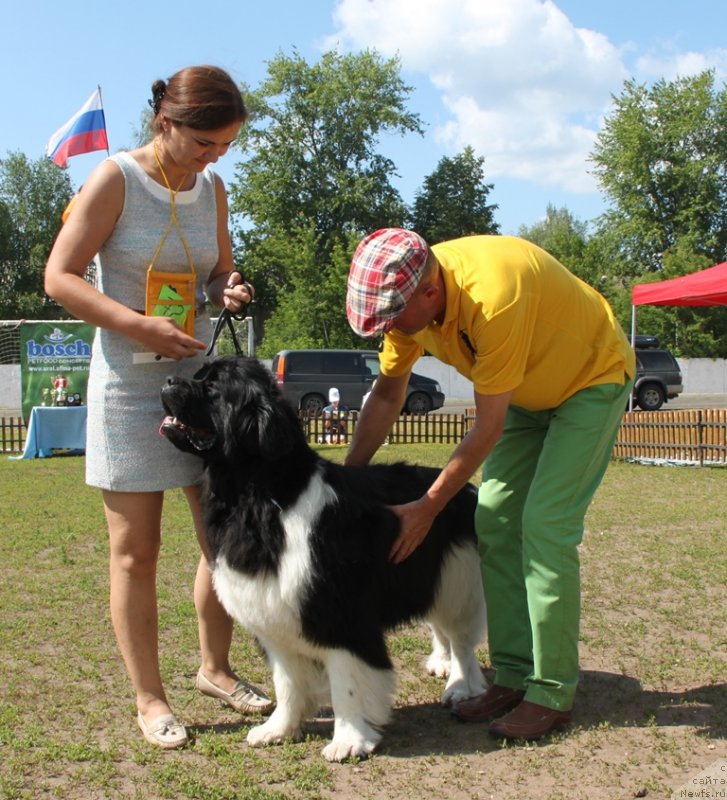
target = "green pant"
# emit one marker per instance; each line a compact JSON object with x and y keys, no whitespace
{"x":537,"y":485}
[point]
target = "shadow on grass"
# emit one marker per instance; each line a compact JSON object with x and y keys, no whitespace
{"x":316,"y":729}
{"x":603,"y":698}
{"x":621,"y":701}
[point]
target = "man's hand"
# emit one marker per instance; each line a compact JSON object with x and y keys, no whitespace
{"x":416,"y":519}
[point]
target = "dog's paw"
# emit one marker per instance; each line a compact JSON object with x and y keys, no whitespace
{"x":456,"y":693}
{"x":265,"y":734}
{"x":459,"y":690}
{"x":341,"y":748}
{"x":438,"y":665}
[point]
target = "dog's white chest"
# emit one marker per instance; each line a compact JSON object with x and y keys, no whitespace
{"x":268,"y":605}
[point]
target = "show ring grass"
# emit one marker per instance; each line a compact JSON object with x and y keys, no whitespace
{"x":651,"y":709}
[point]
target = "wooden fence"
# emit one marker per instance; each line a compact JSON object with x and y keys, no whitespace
{"x":12,"y":431}
{"x":692,"y":436}
{"x":409,"y":428}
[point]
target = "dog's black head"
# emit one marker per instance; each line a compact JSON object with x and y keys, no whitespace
{"x":232,"y":407}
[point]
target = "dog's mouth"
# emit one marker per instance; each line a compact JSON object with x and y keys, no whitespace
{"x":200,"y":438}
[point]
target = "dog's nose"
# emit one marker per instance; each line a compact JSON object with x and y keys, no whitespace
{"x":171,"y":380}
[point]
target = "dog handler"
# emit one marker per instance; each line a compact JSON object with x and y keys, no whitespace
{"x":551,"y":371}
{"x":157,"y":217}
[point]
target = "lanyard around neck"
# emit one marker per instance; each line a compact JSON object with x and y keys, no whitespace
{"x":172,"y":216}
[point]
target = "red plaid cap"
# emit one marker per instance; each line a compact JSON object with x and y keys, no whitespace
{"x":386,"y":269}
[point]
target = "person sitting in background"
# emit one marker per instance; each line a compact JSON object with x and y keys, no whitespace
{"x":333,"y":422}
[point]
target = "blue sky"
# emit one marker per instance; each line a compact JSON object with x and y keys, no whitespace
{"x":525,"y":82}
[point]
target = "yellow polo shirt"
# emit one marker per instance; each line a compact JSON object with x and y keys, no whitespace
{"x":517,"y":320}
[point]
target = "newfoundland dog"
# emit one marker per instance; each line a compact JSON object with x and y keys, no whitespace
{"x":300,"y":550}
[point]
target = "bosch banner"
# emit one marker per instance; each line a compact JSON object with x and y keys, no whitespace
{"x":54,"y":361}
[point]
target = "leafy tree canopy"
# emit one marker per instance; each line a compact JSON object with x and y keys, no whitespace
{"x":562,"y":235}
{"x":661,"y":159}
{"x":33,"y":195}
{"x":312,"y":180}
{"x":312,"y":313}
{"x":453,"y":200}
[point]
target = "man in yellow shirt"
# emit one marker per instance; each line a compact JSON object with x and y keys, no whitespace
{"x":552,"y":372}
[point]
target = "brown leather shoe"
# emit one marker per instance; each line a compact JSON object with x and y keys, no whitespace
{"x":493,"y":702}
{"x":529,"y":721}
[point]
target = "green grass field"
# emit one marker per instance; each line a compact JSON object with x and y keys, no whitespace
{"x":651,"y":710}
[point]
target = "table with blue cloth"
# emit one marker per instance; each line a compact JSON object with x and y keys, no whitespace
{"x":54,"y":428}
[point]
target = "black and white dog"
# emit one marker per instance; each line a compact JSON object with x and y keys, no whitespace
{"x":300,"y":550}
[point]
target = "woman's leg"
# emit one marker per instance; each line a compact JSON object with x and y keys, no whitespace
{"x":214,"y":623}
{"x":216,"y":677}
{"x":134,"y":521}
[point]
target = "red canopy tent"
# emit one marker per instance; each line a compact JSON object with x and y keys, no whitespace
{"x":708,"y":287}
{"x":705,"y":288}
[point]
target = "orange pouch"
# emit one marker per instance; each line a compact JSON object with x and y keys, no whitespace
{"x":171,"y":294}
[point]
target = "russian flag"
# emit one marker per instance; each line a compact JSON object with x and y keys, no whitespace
{"x":84,"y":132}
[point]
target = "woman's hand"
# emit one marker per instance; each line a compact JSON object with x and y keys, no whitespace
{"x":416,"y":519}
{"x":237,"y":293}
{"x":164,"y":337}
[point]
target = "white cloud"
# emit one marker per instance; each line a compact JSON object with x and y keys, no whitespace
{"x":522,"y":85}
{"x":519,"y":144}
{"x":683,"y":64}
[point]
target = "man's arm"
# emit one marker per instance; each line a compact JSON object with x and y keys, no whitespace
{"x":417,"y":517}
{"x":377,"y":418}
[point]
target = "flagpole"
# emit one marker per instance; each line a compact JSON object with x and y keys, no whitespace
{"x":100,"y":97}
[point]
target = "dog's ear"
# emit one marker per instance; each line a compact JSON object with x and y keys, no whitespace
{"x":256,"y":423}
{"x":274,"y":434}
{"x":250,"y":413}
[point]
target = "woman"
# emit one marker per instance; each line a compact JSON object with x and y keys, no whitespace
{"x":157,"y":218}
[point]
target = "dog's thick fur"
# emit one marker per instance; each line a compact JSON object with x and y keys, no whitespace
{"x":300,"y":550}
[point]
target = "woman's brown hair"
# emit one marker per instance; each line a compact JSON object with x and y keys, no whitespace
{"x":203,"y":98}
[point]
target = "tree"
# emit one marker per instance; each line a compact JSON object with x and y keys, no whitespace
{"x":311,"y":313}
{"x":144,"y":133}
{"x":33,"y":195}
{"x":453,"y":200}
{"x":661,"y":158}
{"x":563,"y":236}
{"x":312,"y":181}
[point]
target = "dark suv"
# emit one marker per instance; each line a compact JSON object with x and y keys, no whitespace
{"x":658,"y":377}
{"x":305,"y":376}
